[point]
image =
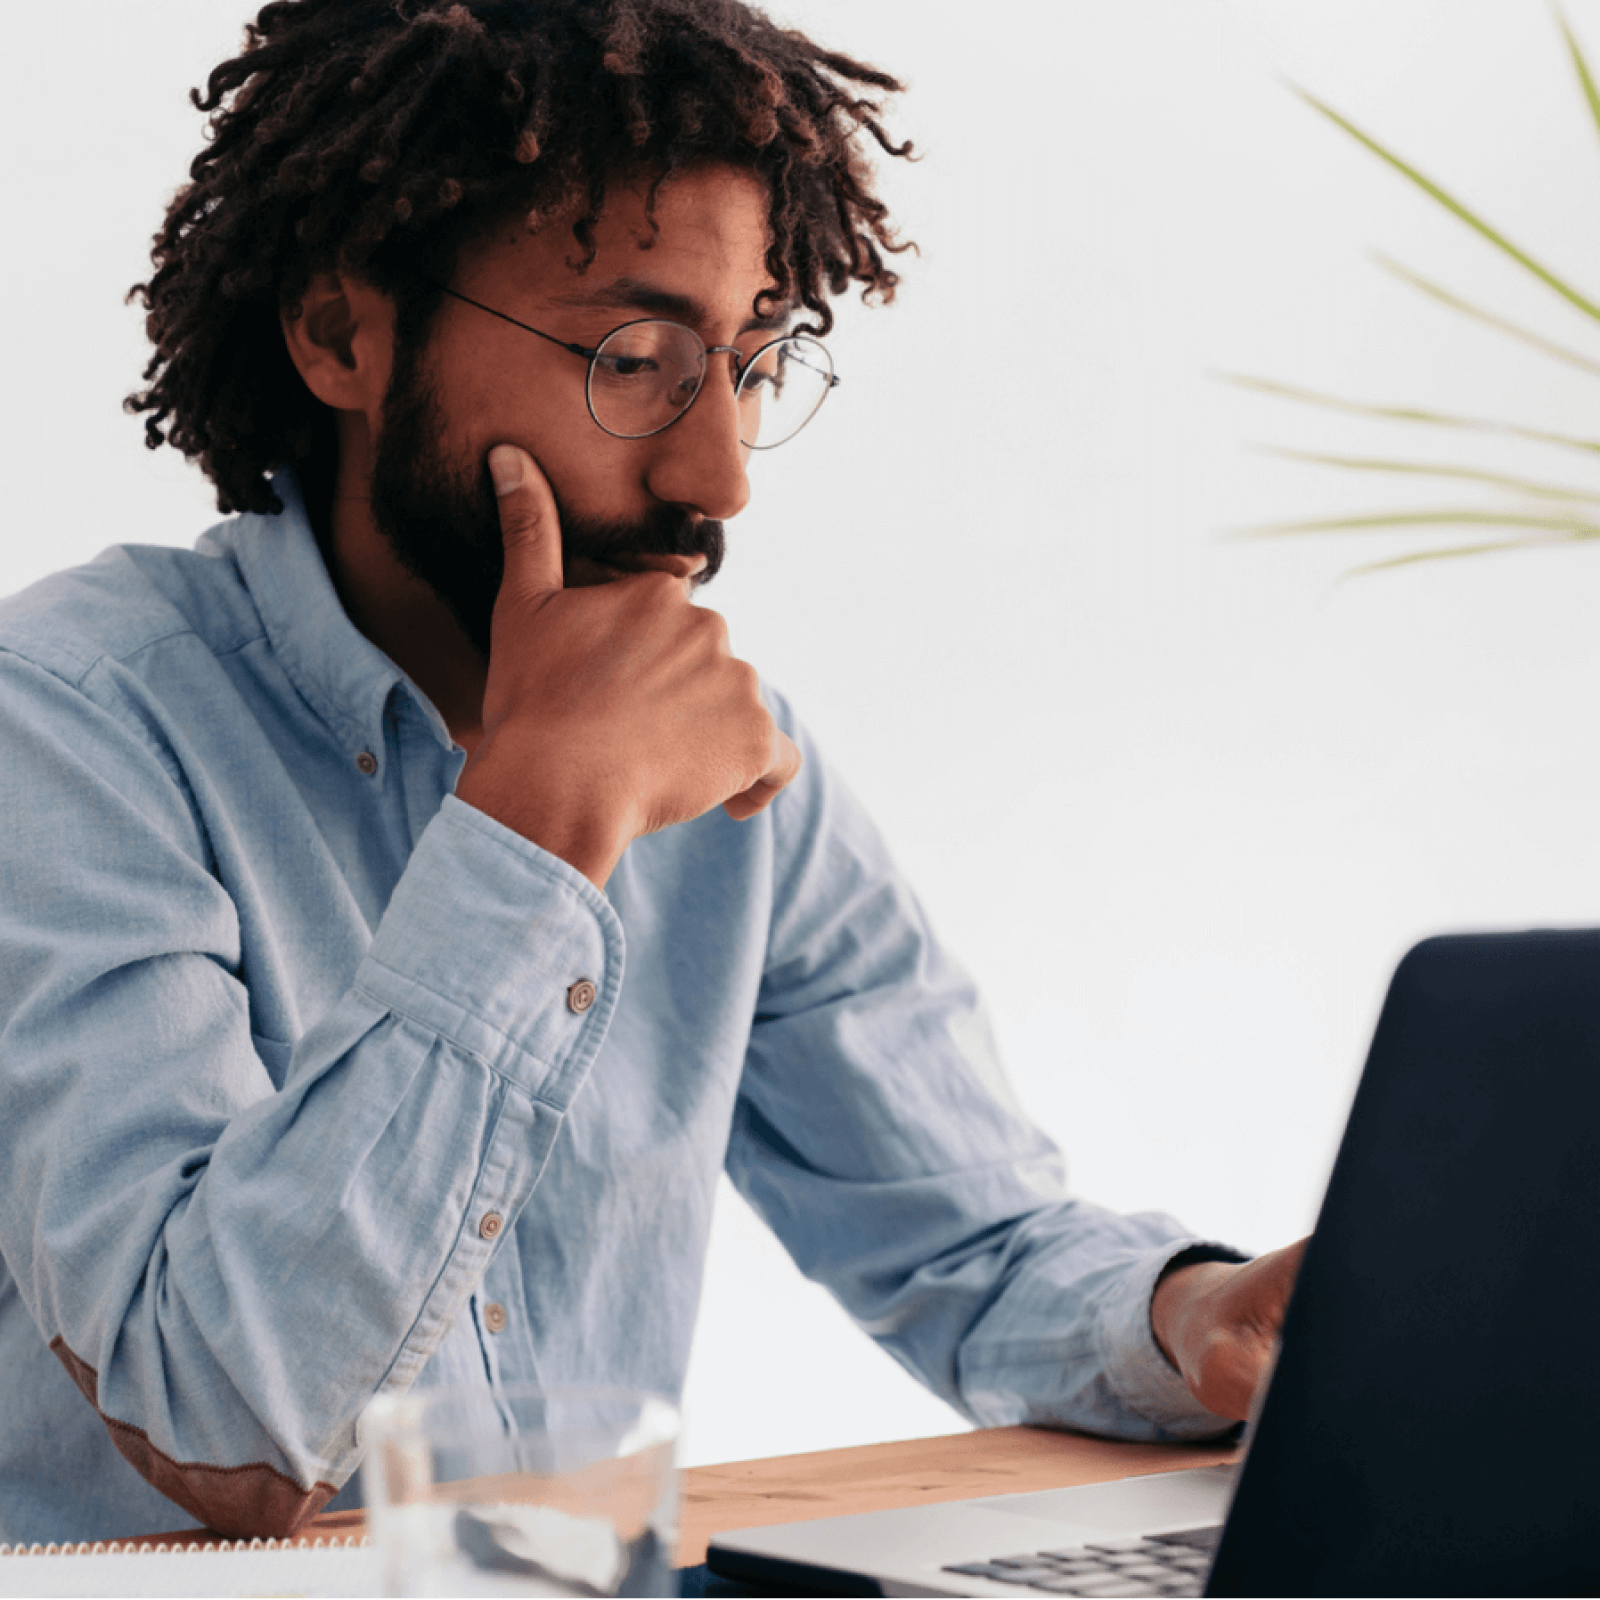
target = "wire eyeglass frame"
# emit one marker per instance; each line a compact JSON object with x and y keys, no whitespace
{"x":741,"y":367}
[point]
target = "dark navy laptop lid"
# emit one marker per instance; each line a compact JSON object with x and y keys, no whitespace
{"x":1433,"y":1426}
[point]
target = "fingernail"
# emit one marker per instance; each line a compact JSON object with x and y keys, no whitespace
{"x":505,"y":467}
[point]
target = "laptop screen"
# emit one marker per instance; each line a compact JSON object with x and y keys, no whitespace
{"x":1433,"y":1426}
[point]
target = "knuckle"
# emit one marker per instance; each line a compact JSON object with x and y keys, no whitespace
{"x":657,"y":593}
{"x":712,"y":624}
{"x":749,"y":681}
{"x":759,"y":740}
{"x":520,"y":524}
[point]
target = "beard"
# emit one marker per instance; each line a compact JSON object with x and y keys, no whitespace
{"x":441,"y":516}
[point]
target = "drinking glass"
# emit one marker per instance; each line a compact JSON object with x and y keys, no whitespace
{"x":522,"y":1491}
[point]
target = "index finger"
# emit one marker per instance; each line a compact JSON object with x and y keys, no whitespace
{"x":530,"y":525}
{"x":786,"y":761}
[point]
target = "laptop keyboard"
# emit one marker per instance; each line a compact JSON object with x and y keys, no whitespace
{"x":1160,"y":1563}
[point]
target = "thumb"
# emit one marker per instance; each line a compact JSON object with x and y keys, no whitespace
{"x":529,"y":522}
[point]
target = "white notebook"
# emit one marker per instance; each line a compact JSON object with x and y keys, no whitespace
{"x":315,"y":1567}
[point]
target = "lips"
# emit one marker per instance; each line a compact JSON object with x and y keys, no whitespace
{"x":584,"y":572}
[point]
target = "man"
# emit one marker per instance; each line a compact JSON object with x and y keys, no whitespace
{"x":410,"y":905}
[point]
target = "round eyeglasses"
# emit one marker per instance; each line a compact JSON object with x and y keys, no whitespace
{"x":644,"y":375}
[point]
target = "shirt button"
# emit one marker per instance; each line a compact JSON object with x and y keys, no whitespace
{"x":580,"y":996}
{"x":494,"y":1317}
{"x":367,"y":762}
{"x":491,"y":1225}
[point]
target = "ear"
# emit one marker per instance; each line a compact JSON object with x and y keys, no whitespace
{"x":341,"y":340}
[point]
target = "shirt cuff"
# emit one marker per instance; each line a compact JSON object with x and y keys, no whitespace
{"x":1136,"y":1368}
{"x":491,"y":942}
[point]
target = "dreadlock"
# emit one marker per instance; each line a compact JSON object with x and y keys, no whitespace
{"x":378,"y":136}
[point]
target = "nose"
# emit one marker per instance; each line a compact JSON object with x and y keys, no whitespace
{"x":698,"y":462}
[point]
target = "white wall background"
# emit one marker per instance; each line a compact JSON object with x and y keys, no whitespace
{"x":1179,"y":801}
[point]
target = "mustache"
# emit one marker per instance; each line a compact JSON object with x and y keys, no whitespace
{"x":665,"y":530}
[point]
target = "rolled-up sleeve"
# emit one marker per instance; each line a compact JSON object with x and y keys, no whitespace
{"x":875,"y":1132}
{"x":231,"y":1255}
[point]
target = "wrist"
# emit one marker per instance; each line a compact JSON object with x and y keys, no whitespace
{"x":577,"y":829}
{"x":1179,"y":1295}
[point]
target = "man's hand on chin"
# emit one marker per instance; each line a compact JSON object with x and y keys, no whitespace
{"x":612,"y":707}
{"x":1218,"y":1323}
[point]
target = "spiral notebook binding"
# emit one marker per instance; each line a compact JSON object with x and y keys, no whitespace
{"x":118,"y":1548}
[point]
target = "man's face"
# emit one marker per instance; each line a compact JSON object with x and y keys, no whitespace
{"x":477,"y":381}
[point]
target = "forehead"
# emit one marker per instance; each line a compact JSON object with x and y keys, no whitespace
{"x":708,"y":248}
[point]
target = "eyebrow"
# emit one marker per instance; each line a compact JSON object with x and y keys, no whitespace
{"x":637,"y":294}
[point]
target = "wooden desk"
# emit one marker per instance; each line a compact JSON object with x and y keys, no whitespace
{"x":876,"y":1477}
{"x":871,"y":1477}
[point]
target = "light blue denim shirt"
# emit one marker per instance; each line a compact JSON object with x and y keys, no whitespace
{"x":302,"y":1103}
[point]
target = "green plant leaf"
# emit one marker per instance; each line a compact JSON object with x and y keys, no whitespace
{"x":1438,"y":419}
{"x":1448,"y":517}
{"x":1455,"y":207}
{"x":1584,"y":75}
{"x":1428,"y":469}
{"x":1501,"y":324}
{"x":1496,"y":546}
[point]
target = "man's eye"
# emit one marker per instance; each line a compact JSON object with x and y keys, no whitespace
{"x":617,"y":366}
{"x":766,"y":378}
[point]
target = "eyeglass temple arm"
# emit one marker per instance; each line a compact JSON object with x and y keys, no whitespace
{"x":577,"y":349}
{"x":583,"y":350}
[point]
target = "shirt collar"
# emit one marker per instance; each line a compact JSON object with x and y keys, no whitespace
{"x":342,"y":675}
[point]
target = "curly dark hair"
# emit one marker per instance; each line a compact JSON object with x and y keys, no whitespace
{"x":379,"y":136}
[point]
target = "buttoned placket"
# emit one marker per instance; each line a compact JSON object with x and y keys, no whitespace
{"x":491,"y":1317}
{"x":508,"y":1355}
{"x":429,"y":760}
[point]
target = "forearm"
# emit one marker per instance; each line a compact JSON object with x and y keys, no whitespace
{"x":1093,"y":1363}
{"x":231,"y":1271}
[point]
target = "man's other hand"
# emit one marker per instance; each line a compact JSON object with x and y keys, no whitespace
{"x":611,"y":710}
{"x":1218,"y":1322}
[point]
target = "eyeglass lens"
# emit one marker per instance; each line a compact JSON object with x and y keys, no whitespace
{"x":645,"y":374}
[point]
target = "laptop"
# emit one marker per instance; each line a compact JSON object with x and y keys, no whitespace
{"x":1432,"y":1425}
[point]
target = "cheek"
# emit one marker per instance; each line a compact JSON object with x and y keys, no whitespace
{"x":593,"y":474}
{"x":490,"y":396}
